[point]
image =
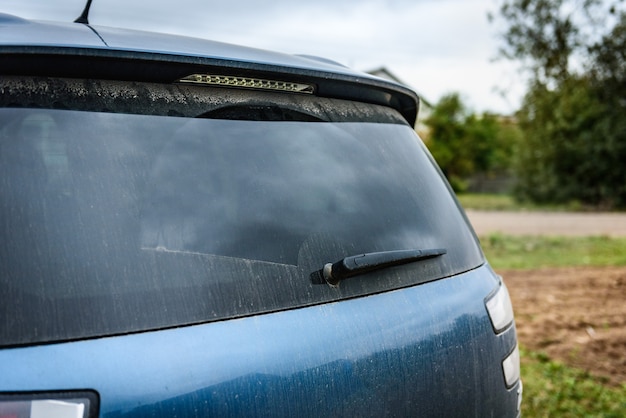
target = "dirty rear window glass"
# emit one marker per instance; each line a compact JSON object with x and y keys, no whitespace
{"x":115,"y":222}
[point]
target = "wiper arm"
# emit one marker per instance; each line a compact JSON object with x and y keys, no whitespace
{"x":355,"y":265}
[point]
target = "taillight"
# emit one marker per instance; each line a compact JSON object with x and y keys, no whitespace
{"x":81,"y":404}
{"x":500,"y":309}
{"x":247,"y":83}
{"x":511,"y":368}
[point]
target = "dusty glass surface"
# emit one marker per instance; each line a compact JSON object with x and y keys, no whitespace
{"x":155,"y":221}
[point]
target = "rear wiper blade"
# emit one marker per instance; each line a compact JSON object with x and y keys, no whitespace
{"x":333,"y":273}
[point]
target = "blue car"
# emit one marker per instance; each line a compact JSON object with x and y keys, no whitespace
{"x":195,"y":229}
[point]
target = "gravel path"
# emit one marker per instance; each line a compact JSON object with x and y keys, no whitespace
{"x":548,"y":223}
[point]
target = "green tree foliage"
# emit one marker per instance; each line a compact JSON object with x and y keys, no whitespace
{"x":465,"y":144}
{"x":571,"y":149}
{"x":574,"y":113}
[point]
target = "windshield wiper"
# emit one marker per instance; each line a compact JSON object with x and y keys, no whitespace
{"x":333,"y":273}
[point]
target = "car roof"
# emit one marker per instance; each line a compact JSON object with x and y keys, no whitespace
{"x":80,"y":50}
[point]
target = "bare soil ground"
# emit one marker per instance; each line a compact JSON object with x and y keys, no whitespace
{"x":576,"y":315}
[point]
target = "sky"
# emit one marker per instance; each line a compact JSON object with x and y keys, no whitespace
{"x":436,"y":47}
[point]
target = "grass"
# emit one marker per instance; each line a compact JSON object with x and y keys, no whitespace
{"x":528,"y":252}
{"x":552,"y":389}
{"x":488,"y":202}
{"x":505,"y":202}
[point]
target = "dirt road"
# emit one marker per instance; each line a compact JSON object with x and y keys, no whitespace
{"x":549,"y":223}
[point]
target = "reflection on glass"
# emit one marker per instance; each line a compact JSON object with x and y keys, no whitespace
{"x":247,"y":189}
{"x":113,"y":223}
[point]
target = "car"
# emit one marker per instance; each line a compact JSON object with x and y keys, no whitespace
{"x":192,"y":229}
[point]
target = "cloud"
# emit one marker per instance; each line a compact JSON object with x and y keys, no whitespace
{"x":435,"y":46}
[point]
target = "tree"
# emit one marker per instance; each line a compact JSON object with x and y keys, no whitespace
{"x":552,"y":38}
{"x":464,"y":143}
{"x":572,"y":116}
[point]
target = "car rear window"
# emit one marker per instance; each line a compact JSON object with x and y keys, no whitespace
{"x":129,"y":207}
